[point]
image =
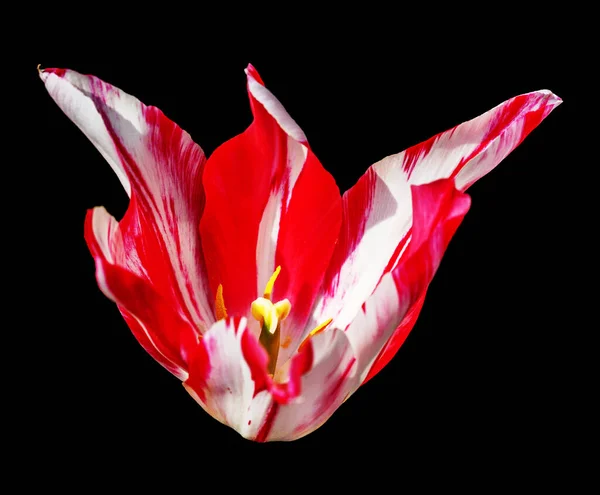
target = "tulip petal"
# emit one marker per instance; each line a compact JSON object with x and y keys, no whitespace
{"x":377,"y":214}
{"x":161,"y":331}
{"x":324,"y":388}
{"x":228,"y":379}
{"x":438,"y":210}
{"x":269,"y":202}
{"x":397,"y":339}
{"x":161,"y":168}
{"x":223,"y":379}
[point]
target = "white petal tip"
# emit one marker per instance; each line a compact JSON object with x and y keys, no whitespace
{"x":251,"y":74}
{"x":552,"y":99}
{"x":272,"y":105}
{"x":42,"y":72}
{"x":45,"y":73}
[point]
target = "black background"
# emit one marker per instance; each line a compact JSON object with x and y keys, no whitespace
{"x":481,"y":381}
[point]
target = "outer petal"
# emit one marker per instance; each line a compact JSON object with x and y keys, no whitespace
{"x":377,"y":216}
{"x":324,"y":388}
{"x":221,"y":379}
{"x":228,"y":378}
{"x":438,"y":210}
{"x":269,"y":202}
{"x":397,"y":339}
{"x":163,"y":333}
{"x":161,"y":168}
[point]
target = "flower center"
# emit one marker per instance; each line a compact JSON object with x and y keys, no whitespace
{"x":269,"y":315}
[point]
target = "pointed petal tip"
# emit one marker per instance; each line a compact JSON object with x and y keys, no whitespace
{"x":553,"y":100}
{"x":251,"y":72}
{"x":44,"y":73}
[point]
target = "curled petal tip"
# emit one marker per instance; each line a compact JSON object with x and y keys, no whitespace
{"x":41,"y":72}
{"x":557,"y":100}
{"x":553,"y":99}
{"x":44,"y":73}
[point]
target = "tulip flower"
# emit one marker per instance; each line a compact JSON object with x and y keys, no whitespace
{"x":247,"y":275}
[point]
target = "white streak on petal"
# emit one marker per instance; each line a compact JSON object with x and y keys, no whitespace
{"x":275,"y":108}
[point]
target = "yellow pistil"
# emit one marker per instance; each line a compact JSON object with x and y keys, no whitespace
{"x":220,"y":310}
{"x":269,"y":315}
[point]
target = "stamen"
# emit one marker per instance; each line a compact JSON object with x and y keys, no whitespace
{"x":271,"y":283}
{"x":315,"y":331}
{"x":320,"y":328}
{"x":220,"y":310}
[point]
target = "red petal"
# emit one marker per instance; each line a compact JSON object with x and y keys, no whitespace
{"x":427,"y":218}
{"x":225,"y":380}
{"x":229,"y":380}
{"x":377,"y":216}
{"x":325,"y":386}
{"x":397,"y":339}
{"x":161,"y":168}
{"x":158,"y":327}
{"x":438,"y":210}
{"x":269,"y":202}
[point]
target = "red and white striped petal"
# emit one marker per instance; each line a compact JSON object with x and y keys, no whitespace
{"x":74,"y":94}
{"x":438,"y":210}
{"x":158,"y":327}
{"x":377,"y":214}
{"x":223,"y":378}
{"x":161,"y":168}
{"x":269,"y":202}
{"x":324,"y":387}
{"x":397,"y":339}
{"x":228,"y":378}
